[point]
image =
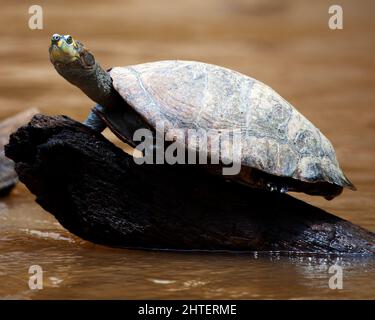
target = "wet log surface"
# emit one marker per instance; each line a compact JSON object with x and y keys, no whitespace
{"x":97,"y":192}
{"x":8,"y":177}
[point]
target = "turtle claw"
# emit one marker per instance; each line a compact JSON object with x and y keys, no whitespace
{"x":272,"y":187}
{"x":283,"y":189}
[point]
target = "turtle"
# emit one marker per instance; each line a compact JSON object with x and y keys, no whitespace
{"x":281,"y":150}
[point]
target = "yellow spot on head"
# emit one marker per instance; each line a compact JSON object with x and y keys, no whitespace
{"x":59,"y":43}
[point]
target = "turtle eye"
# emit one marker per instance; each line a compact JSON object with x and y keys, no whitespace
{"x":69,"y":40}
{"x":55,"y":38}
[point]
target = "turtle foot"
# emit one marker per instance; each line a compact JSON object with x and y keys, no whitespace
{"x":273,"y":187}
{"x":94,"y":122}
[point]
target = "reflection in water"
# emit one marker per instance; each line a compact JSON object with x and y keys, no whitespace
{"x":77,"y":269}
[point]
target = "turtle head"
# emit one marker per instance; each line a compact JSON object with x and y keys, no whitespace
{"x":67,"y":54}
{"x":77,"y":65}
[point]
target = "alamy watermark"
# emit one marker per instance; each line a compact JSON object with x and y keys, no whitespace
{"x":36,"y":277}
{"x":189,"y":146}
{"x":336,"y":20}
{"x":36,"y":18}
{"x":335,"y":282}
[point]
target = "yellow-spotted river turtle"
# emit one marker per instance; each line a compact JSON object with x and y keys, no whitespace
{"x":280,"y":149}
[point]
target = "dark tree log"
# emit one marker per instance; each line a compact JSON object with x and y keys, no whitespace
{"x":97,"y":192}
{"x":8,"y":177}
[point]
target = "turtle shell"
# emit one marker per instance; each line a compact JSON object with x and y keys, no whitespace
{"x":275,"y":138}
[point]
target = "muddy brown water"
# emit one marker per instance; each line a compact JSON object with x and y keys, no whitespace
{"x":328,"y":75}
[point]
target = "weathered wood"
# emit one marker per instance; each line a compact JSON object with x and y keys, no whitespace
{"x":97,"y":192}
{"x":8,"y":177}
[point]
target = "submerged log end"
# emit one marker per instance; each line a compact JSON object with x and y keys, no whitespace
{"x":97,"y":192}
{"x":8,"y":177}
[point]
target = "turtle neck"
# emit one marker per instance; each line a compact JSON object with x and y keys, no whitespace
{"x":95,"y":82}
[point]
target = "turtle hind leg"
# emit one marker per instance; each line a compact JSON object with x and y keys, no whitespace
{"x":333,"y":192}
{"x":324,"y":189}
{"x":287,"y":184}
{"x":271,"y":183}
{"x":257,"y":179}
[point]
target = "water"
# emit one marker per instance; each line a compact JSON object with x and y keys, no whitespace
{"x":77,"y":269}
{"x":328,"y":75}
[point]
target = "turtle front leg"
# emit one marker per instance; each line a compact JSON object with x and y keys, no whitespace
{"x":93,"y":121}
